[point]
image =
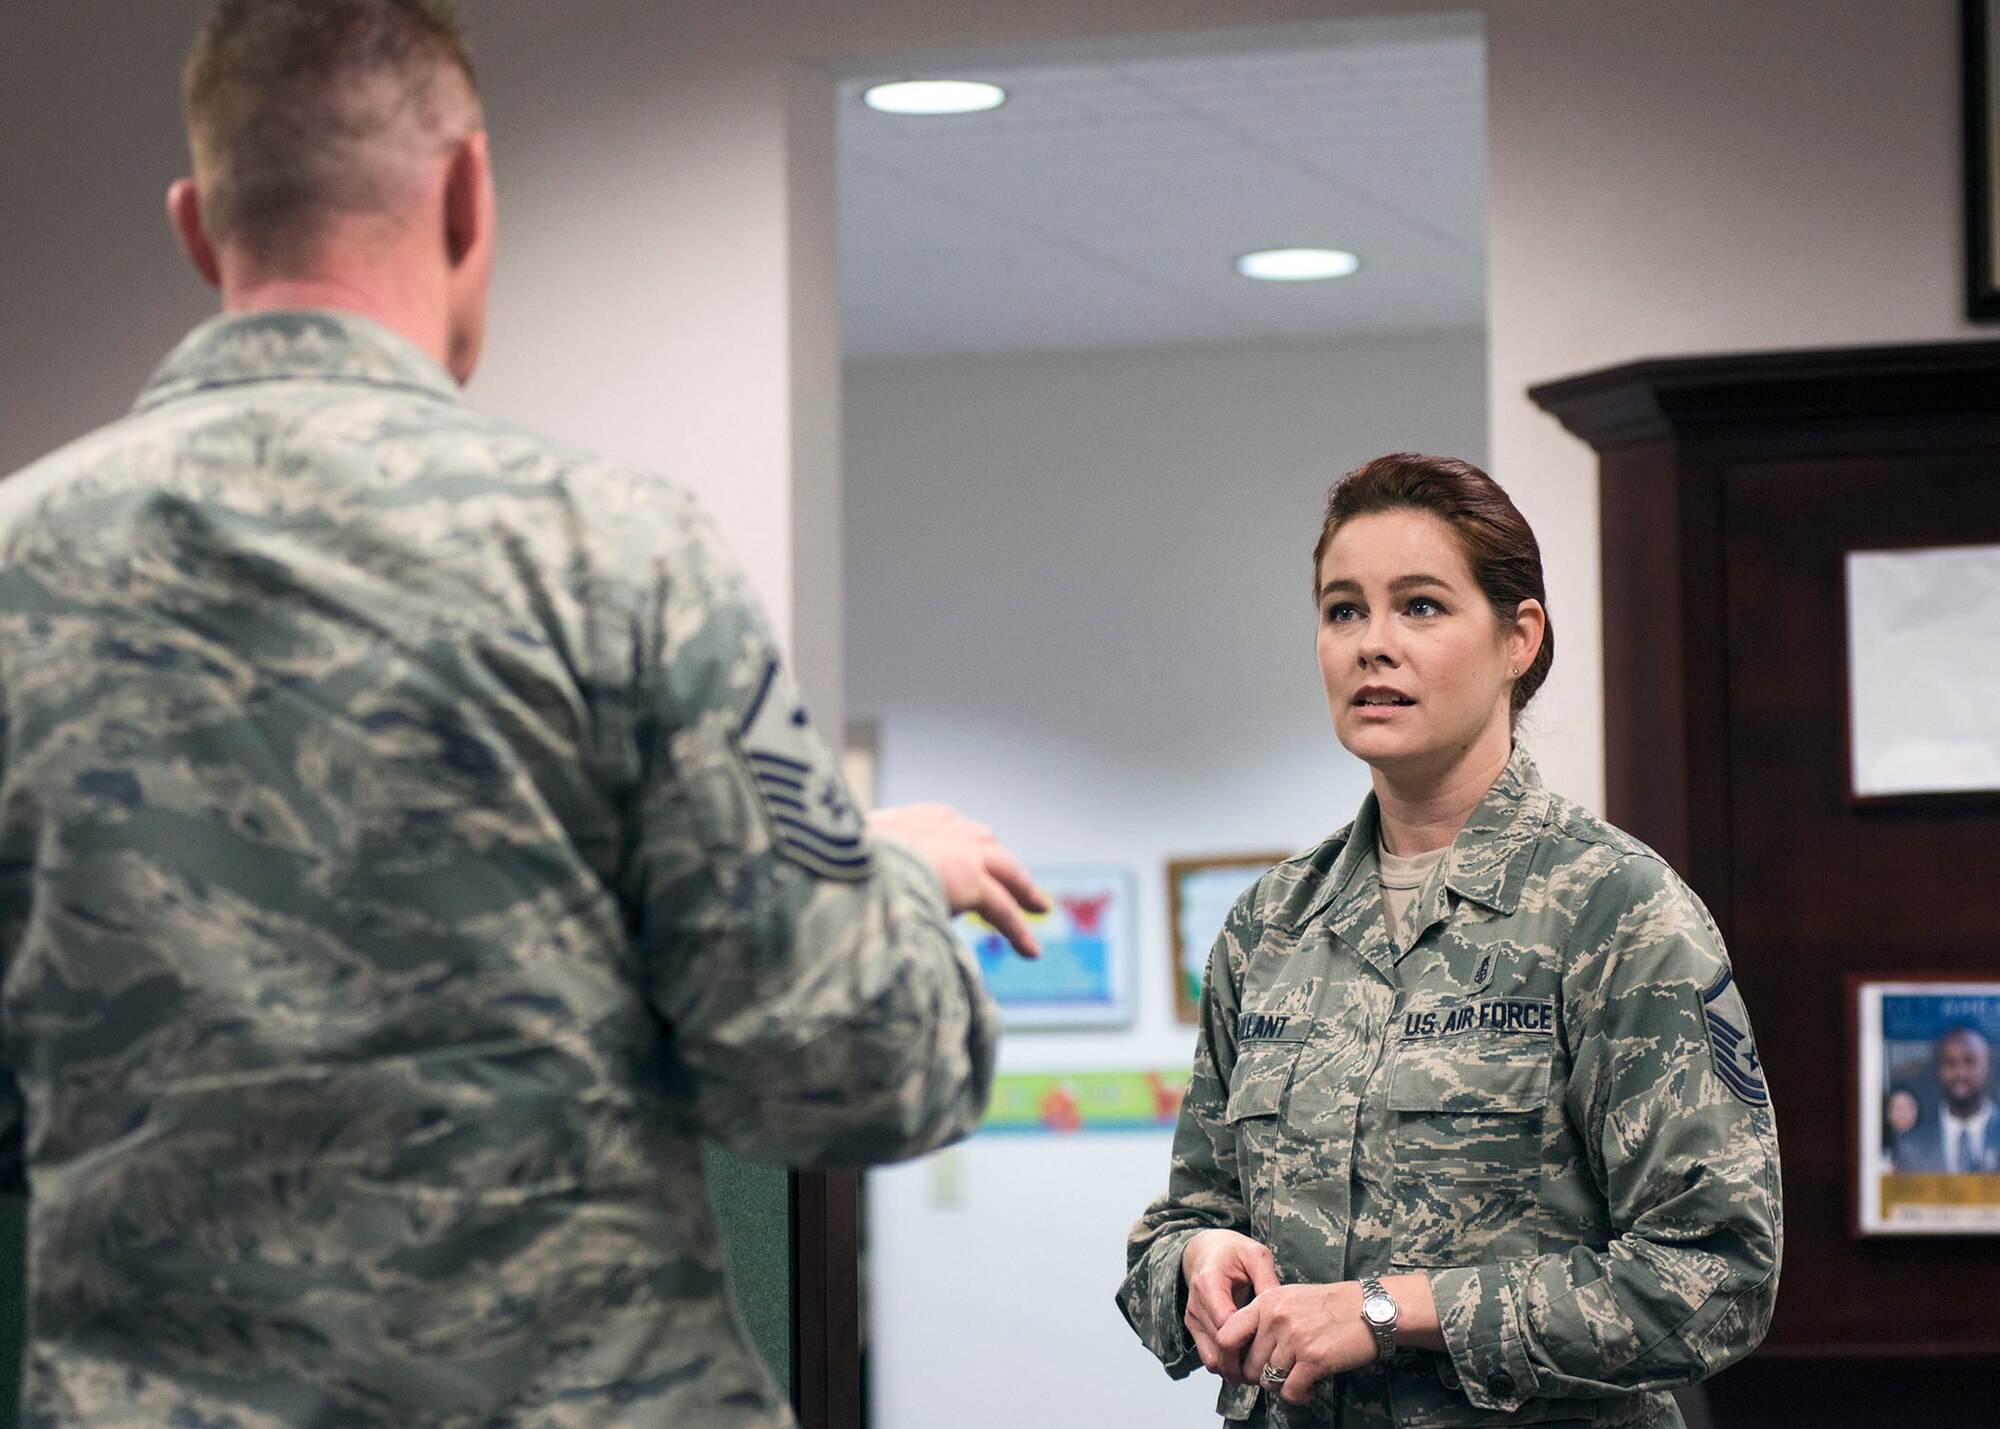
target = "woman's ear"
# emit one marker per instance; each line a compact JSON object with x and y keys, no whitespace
{"x":1524,"y":638}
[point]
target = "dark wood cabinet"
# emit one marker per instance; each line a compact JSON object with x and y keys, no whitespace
{"x":1731,"y":489}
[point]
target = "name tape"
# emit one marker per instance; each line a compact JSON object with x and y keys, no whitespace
{"x":1272,"y":1027}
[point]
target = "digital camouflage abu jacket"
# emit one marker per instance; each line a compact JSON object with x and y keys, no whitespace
{"x":1550,"y":1102}
{"x":410,"y":846}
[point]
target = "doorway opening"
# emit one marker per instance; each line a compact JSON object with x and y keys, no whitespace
{"x":1084,"y":464}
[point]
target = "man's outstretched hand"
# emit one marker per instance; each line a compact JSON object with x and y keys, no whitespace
{"x":979,"y":875}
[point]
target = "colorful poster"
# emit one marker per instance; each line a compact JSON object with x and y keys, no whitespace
{"x":1929,"y":1140}
{"x":1084,"y":975}
{"x":1200,"y":893}
{"x":1064,"y":1103}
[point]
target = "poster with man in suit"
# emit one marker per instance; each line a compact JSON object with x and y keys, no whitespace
{"x":1939,"y":1170}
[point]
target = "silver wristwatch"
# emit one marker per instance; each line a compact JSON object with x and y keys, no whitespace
{"x":1378,"y":1313}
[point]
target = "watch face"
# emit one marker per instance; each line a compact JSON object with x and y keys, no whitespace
{"x":1378,"y":1309}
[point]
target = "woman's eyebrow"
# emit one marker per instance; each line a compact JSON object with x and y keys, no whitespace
{"x":1400,"y":583}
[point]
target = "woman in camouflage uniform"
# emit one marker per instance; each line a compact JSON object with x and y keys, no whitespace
{"x":1477,"y":1133}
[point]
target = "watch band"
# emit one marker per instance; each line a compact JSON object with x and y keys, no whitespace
{"x":1379,"y":1314}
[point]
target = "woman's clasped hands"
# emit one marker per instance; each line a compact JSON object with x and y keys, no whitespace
{"x":1251,"y":1329}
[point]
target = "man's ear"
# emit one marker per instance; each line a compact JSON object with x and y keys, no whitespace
{"x":468,"y":202}
{"x":184,"y":214}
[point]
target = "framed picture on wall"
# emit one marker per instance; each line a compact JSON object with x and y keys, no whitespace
{"x":1200,"y":893}
{"x":1083,"y":978}
{"x":1926,"y":1125}
{"x":1982,"y":159}
{"x":1923,"y":673}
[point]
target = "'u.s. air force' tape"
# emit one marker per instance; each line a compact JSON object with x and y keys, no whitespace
{"x":1736,"y":1059}
{"x":813,"y":821}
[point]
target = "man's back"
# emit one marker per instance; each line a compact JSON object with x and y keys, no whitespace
{"x":409,"y":843}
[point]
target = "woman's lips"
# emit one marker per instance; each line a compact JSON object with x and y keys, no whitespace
{"x":1374,"y":698}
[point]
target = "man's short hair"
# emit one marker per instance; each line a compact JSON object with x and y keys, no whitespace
{"x":298,"y":110}
{"x":1963,"y":1032}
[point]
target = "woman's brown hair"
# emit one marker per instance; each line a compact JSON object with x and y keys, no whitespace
{"x":1501,"y":549}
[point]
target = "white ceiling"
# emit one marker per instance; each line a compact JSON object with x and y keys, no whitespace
{"x":1104,"y":204}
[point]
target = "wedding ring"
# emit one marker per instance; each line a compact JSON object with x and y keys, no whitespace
{"x":1274,"y":1376}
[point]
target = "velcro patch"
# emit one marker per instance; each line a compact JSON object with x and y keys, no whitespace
{"x":1736,"y":1061}
{"x":813,"y":821}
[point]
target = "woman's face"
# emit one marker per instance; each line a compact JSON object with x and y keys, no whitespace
{"x":1417,"y":668}
{"x":1902,"y":1111}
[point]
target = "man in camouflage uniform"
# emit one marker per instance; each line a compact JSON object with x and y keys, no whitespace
{"x":411,"y":843}
{"x":1545,"y":1100}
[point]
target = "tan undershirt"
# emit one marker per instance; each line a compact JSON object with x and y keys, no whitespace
{"x":1402,"y":879}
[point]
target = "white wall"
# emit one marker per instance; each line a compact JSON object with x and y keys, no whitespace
{"x":1701,"y":176}
{"x":93,"y":290}
{"x":1080,"y":600}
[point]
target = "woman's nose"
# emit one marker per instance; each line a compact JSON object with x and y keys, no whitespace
{"x":1377,"y":642}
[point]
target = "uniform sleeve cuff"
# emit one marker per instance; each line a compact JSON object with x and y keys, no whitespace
{"x":916,"y":876}
{"x":1480,"y":1314}
{"x":1161,"y":1302}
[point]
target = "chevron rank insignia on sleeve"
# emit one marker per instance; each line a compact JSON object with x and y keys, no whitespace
{"x":813,"y":820}
{"x":1736,"y":1061}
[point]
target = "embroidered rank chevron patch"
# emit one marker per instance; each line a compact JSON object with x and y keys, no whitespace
{"x":813,"y":821}
{"x":1729,"y":1038}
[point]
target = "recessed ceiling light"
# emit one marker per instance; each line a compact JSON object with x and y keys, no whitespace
{"x":1297,"y":265}
{"x":934,"y":96}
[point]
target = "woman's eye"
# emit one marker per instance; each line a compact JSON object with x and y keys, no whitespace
{"x":1424,"y":606}
{"x":1340,"y":612}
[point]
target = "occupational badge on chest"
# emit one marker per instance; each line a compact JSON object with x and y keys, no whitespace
{"x":1481,"y":976}
{"x":813,"y":821}
{"x":1736,"y":1061}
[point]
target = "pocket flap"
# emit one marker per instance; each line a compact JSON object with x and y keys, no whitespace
{"x":1263,"y":1071}
{"x":1469,"y":1078}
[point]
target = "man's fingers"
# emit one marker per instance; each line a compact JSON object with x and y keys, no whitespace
{"x":978,"y":874}
{"x":997,"y":906}
{"x":1002,"y":865}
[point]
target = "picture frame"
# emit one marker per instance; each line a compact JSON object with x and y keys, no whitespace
{"x":1980,"y":64}
{"x":1084,"y":977}
{"x":1924,"y":1143}
{"x":1922,"y":629}
{"x":1200,"y":892}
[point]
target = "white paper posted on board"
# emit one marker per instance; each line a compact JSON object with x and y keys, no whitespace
{"x":1923,"y":670}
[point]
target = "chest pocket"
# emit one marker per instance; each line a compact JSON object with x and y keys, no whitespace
{"x":1467,"y":1129}
{"x":1258,"y":1086}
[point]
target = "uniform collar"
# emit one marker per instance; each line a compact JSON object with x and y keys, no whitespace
{"x":1491,"y":857}
{"x":320,"y":344}
{"x":1489,"y":860}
